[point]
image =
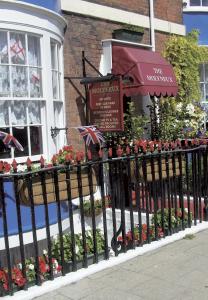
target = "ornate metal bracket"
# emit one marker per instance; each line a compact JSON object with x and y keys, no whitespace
{"x":115,"y":244}
{"x":55,"y":131}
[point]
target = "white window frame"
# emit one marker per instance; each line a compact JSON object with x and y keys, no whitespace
{"x":188,"y":5}
{"x":27,"y":98}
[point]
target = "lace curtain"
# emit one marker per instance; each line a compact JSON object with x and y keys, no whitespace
{"x":18,"y":53}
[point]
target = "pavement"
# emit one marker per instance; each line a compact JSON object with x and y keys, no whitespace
{"x":178,"y":271}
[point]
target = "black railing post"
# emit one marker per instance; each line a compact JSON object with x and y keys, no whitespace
{"x":45,"y":202}
{"x":84,"y":243}
{"x":105,"y":231}
{"x":71,"y":217}
{"x":20,"y":231}
{"x":6,"y":235}
{"x":29,"y":180}
{"x":205,"y":185}
{"x":129,"y":179}
{"x":58,"y":207}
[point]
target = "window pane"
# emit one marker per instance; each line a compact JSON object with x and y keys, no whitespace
{"x":3,"y":48}
{"x":19,"y":81}
{"x":34,"y":112}
{"x":34,"y":51}
{"x":36,"y":140}
{"x":201,"y":73}
{"x":4,"y":81}
{"x":195,"y":2}
{"x":18,"y":112}
{"x":204,"y":2}
{"x":4,"y":113}
{"x":202,"y":92}
{"x":20,"y":133}
{"x":5,"y":152}
{"x":35,"y":83}
{"x":55,"y":84}
{"x":58,"y":113}
{"x":53,"y":56}
{"x":206,"y":92}
{"x":17,"y":48}
{"x":206,"y":72}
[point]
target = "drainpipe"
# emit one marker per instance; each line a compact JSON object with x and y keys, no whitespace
{"x":152,"y":24}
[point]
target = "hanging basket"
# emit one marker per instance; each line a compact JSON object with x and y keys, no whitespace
{"x":156,"y":169}
{"x":50,"y":188}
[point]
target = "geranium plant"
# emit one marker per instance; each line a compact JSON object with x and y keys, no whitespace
{"x":129,"y":236}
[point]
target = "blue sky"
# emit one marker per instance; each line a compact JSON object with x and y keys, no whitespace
{"x":51,"y":4}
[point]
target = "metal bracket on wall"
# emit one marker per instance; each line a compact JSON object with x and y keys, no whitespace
{"x":55,"y":131}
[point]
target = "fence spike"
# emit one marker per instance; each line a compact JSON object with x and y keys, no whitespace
{"x":89,"y":155}
{"x":42,"y":162}
{"x":14,"y":165}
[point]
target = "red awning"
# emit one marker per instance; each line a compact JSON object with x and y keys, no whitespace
{"x":148,"y":72}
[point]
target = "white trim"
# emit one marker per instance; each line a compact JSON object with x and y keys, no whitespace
{"x":119,"y":15}
{"x":126,"y":43}
{"x":195,"y":9}
{"x":37,"y":9}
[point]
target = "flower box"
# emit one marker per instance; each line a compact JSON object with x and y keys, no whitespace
{"x":50,"y":187}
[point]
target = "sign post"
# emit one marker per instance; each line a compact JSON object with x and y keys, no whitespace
{"x":106,"y":105}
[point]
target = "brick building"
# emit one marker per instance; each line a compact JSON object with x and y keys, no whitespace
{"x":90,"y":27}
{"x":41,"y":41}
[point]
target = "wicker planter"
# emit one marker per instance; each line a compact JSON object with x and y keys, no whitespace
{"x":156,"y":169}
{"x":50,"y":188}
{"x":128,"y":35}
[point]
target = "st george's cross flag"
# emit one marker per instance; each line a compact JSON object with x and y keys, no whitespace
{"x":91,"y":135}
{"x":10,"y":141}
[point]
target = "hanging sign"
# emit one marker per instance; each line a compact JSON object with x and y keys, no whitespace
{"x":106,"y":105}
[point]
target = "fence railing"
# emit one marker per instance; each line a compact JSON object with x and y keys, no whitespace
{"x":56,"y":220}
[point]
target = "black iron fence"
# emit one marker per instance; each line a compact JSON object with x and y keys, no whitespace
{"x":59,"y":219}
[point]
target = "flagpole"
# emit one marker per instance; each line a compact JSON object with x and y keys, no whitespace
{"x":86,"y":95}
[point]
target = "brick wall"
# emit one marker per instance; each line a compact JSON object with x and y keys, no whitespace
{"x":85,"y":33}
{"x":164,"y":9}
{"x":170,"y":10}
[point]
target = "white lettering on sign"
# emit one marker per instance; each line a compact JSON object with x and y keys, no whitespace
{"x":159,"y":78}
{"x":158,"y":71}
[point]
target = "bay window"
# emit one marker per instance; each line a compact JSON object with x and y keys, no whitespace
{"x":21,"y":103}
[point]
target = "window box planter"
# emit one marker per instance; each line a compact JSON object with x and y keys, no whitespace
{"x":50,"y":187}
{"x":128,"y":35}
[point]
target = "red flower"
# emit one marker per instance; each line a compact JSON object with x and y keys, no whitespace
{"x":59,"y":268}
{"x":17,"y":277}
{"x":43,"y":267}
{"x":4,"y":279}
{"x":144,"y":226}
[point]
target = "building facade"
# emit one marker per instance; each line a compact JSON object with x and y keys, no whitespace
{"x":43,"y":41}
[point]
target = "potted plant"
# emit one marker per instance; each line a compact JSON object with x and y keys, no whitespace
{"x":129,"y":33}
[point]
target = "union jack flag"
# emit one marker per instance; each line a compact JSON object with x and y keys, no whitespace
{"x":91,"y":134}
{"x":10,"y":141}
